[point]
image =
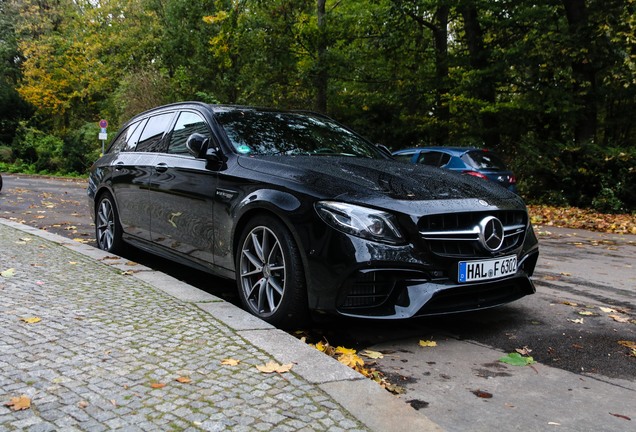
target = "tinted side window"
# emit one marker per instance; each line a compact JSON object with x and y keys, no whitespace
{"x":121,"y":141}
{"x":445,"y":159}
{"x":187,"y":124}
{"x":151,"y":137}
{"x":432,"y":158}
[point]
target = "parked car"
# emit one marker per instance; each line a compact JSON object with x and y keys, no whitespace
{"x":308,"y":216}
{"x":472,"y":161}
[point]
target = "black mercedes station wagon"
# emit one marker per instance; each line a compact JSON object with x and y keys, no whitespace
{"x":307,"y":216}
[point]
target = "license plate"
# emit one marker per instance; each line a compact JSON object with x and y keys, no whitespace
{"x":470,"y":271}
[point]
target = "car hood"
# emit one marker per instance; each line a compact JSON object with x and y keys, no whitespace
{"x":366,"y":180}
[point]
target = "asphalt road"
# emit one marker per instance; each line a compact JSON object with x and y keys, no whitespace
{"x":584,"y":307}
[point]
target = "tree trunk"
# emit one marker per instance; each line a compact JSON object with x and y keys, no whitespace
{"x":321,"y":79}
{"x":583,"y":71}
{"x":479,"y":58}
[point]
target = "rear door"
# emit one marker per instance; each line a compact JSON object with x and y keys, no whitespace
{"x":182,"y":192}
{"x":132,"y":170}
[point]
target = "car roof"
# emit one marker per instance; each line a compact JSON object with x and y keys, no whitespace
{"x":457,"y":151}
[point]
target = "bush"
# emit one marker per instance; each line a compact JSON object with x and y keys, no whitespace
{"x":586,"y":176}
{"x":35,"y":151}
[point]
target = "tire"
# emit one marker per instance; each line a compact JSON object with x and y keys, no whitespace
{"x":108,"y":231}
{"x":0,"y":182}
{"x":270,"y":274}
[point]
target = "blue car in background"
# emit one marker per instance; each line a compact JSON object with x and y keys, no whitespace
{"x":466,"y":160}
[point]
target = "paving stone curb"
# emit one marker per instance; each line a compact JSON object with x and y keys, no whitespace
{"x":319,"y":394}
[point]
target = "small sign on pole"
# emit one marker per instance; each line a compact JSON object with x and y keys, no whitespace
{"x":103,"y":135}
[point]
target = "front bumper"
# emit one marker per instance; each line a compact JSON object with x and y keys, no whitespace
{"x":357,"y":278}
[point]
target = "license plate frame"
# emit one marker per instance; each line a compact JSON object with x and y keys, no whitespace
{"x":489,"y":269}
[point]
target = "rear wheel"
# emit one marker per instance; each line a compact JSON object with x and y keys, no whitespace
{"x":270,"y":275}
{"x":108,"y":232}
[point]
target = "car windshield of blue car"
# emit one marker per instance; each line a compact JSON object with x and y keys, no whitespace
{"x":256,"y":132}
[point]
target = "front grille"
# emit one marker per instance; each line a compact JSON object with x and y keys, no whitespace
{"x":457,"y":234}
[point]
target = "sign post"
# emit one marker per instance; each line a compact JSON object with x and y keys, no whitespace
{"x":103,"y":136}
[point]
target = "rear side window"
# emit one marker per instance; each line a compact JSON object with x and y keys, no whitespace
{"x":124,"y":140}
{"x":434,"y":158}
{"x":151,"y":139}
{"x":187,"y":124}
{"x":484,"y":160}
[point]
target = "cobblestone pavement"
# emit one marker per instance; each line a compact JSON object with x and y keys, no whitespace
{"x":110,"y":347}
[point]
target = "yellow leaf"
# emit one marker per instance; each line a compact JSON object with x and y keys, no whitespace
{"x":607,"y":310}
{"x":351,"y":360}
{"x":618,"y":318}
{"x":183,"y":380}
{"x":586,"y":313}
{"x":576,"y":321}
{"x":320,"y":346}
{"x":157,"y":385}
{"x":31,"y":320}
{"x":372,"y":354}
{"x":567,"y":303}
{"x":230,"y":362}
{"x":343,"y":350}
{"x":628,"y":344}
{"x":19,"y":403}
{"x":428,"y":343}
{"x":274,"y":367}
{"x":8,"y":273}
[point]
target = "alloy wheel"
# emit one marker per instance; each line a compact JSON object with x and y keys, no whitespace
{"x":105,"y":225}
{"x":262,"y":271}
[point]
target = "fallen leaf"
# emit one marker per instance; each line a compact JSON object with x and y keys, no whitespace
{"x":482,"y":394}
{"x":586,"y":313}
{"x":372,"y":354}
{"x":566,"y":274}
{"x":82,"y":404}
{"x":230,"y":362}
{"x":183,"y":380}
{"x":31,"y":320}
{"x":131,"y":263}
{"x":428,"y":343}
{"x":576,"y":321}
{"x":8,"y":273}
{"x":272,"y":367}
{"x":351,"y":360}
{"x":618,"y":318}
{"x":621,"y":416}
{"x":607,"y":310}
{"x":345,"y":351}
{"x":554,"y":424}
{"x":567,"y":303}
{"x":157,"y":385}
{"x":19,"y":403}
{"x":524,"y":351}
{"x":128,"y":273}
{"x":516,"y":359}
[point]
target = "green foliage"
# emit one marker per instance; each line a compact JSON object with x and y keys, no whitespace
{"x":516,"y":359}
{"x":554,"y":92}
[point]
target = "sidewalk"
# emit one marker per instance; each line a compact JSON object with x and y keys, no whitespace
{"x":113,"y":339}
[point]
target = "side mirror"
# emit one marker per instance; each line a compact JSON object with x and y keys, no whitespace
{"x":197,"y":145}
{"x":384,"y":150}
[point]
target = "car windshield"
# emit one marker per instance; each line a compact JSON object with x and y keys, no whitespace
{"x":255,"y":132}
{"x":484,"y":160}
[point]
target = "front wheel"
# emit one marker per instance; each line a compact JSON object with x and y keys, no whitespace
{"x":270,"y":276}
{"x":108,"y":232}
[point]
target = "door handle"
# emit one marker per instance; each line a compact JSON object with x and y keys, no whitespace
{"x":161,"y":167}
{"x":119,"y":165}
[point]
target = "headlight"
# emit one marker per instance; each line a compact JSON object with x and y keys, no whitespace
{"x":360,"y":221}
